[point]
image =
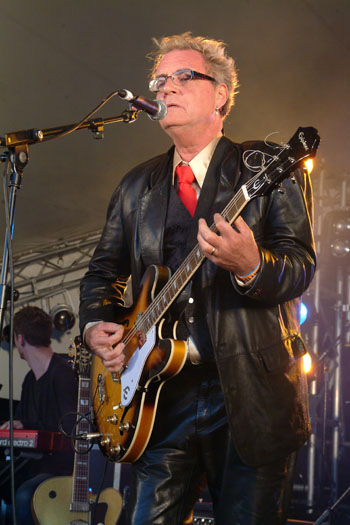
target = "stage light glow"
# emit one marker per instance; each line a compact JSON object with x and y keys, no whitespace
{"x":309,"y":165}
{"x":340,"y":247}
{"x":303,"y":313}
{"x":307,"y":363}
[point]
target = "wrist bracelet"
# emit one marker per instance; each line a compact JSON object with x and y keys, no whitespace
{"x":251,"y":274}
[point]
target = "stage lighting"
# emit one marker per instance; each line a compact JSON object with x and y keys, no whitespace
{"x":338,"y":232}
{"x":340,"y":248}
{"x":307,"y":363}
{"x":63,"y":317}
{"x":62,"y":313}
{"x":308,"y":315}
{"x":309,"y":165}
{"x":303,"y":313}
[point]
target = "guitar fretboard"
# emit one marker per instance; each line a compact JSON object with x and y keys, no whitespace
{"x":80,"y":493}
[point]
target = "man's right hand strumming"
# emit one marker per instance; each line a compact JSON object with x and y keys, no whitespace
{"x":104,"y":339}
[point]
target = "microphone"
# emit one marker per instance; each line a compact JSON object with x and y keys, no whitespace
{"x":155,"y":109}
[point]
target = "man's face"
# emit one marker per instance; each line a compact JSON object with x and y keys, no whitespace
{"x":192,"y":104}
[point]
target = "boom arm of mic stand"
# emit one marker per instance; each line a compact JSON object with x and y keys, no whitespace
{"x":17,"y":143}
{"x":35,"y":136}
{"x":18,"y":155}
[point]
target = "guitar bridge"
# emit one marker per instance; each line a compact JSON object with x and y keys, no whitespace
{"x":116,"y":377}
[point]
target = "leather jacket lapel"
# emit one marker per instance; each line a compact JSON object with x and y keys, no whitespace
{"x":219,"y":183}
{"x":152,"y":213}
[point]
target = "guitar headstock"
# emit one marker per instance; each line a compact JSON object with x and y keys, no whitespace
{"x":81,"y":357}
{"x":302,"y":146}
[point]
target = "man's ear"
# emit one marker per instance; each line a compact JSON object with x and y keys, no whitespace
{"x":19,"y":339}
{"x":221,"y":95}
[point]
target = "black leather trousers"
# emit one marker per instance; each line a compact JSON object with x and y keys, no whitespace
{"x":191,"y":445}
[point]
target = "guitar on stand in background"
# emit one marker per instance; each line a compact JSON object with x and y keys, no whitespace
{"x":66,"y":500}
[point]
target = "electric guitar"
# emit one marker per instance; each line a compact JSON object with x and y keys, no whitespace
{"x":66,"y":500}
{"x":125,"y":403}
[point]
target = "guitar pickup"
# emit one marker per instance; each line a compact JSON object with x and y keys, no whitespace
{"x":101,"y":389}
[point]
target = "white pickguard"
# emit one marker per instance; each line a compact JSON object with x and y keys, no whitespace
{"x":130,"y":377}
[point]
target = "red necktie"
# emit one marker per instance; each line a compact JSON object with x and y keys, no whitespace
{"x":186,"y":192}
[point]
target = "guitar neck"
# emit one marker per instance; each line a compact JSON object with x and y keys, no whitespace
{"x":80,"y":490}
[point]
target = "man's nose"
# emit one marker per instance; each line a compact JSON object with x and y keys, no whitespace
{"x":169,"y":86}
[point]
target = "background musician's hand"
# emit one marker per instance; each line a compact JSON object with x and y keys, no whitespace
{"x":104,"y":339}
{"x":18,"y":425}
{"x":235,"y":248}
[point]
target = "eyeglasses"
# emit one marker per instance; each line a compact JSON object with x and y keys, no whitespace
{"x":179,"y":78}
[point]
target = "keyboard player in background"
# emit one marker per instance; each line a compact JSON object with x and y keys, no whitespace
{"x":49,"y":391}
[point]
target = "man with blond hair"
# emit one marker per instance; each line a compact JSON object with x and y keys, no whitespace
{"x":238,"y":408}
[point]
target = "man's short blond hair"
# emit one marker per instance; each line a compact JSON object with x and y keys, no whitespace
{"x":219,"y":64}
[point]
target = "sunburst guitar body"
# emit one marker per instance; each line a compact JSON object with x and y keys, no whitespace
{"x":125,"y":403}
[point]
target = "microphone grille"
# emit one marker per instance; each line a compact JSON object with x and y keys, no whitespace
{"x":162,"y":111}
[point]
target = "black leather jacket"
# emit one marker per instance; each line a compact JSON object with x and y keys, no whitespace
{"x":254,"y":329}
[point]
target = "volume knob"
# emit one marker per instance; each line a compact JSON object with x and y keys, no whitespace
{"x":124,"y":427}
{"x":113,"y":420}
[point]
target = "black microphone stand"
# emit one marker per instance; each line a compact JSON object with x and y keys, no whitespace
{"x":17,"y":157}
{"x":328,"y":513}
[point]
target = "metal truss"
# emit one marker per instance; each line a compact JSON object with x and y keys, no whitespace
{"x":328,"y":339}
{"x":51,"y":268}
